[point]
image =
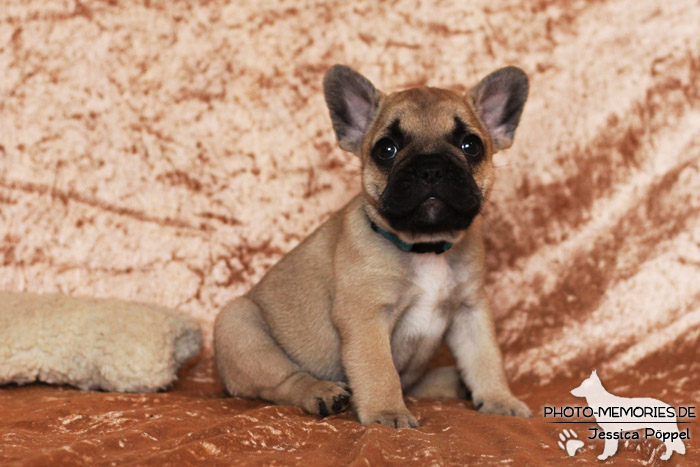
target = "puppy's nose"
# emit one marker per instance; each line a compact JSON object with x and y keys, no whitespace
{"x":430,"y":170}
{"x":431,"y":175}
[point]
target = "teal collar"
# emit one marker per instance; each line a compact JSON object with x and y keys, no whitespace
{"x":426,"y":247}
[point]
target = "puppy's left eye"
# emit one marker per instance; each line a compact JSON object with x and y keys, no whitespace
{"x":472,"y":146}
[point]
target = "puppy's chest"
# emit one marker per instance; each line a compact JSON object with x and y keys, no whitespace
{"x":433,"y":284}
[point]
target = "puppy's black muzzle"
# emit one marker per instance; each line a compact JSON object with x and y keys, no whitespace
{"x":430,"y":193}
{"x":430,"y":170}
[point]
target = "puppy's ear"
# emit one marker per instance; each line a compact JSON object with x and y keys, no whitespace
{"x":352,"y":101}
{"x":499,"y":99}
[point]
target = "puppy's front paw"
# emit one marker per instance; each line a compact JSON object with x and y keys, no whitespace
{"x":502,"y":404}
{"x":326,"y":398}
{"x":396,"y":418}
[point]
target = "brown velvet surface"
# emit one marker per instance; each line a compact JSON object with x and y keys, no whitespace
{"x":170,"y":152}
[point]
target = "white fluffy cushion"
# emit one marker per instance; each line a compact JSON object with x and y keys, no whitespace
{"x":92,"y":343}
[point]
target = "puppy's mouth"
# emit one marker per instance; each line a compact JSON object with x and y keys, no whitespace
{"x":433,"y":214}
{"x":431,"y":209}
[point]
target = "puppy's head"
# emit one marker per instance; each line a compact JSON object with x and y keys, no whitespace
{"x":426,"y":152}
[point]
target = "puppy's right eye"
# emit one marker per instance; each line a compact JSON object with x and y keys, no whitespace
{"x":385,"y":149}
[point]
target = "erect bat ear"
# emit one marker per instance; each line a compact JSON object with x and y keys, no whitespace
{"x":499,"y":99}
{"x":352,"y":101}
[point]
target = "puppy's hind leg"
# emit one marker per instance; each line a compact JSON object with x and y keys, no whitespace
{"x":251,"y":364}
{"x":440,"y":383}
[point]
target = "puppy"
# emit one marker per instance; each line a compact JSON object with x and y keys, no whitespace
{"x":359,"y":307}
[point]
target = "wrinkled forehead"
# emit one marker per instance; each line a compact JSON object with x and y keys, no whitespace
{"x":427,"y":111}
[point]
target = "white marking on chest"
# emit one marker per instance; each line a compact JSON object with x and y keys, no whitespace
{"x":434,"y":280}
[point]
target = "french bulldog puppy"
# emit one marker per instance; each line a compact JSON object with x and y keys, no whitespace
{"x":354,"y":313}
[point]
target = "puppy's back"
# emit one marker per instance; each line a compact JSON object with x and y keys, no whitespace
{"x":296,"y":296}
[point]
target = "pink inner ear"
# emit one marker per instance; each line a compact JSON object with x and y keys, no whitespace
{"x":492,"y":111}
{"x":359,"y":111}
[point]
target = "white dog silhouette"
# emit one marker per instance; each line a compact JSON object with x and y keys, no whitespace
{"x":597,"y":397}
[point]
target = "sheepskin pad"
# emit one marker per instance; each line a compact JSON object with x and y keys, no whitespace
{"x":93,"y":343}
{"x":171,"y":152}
